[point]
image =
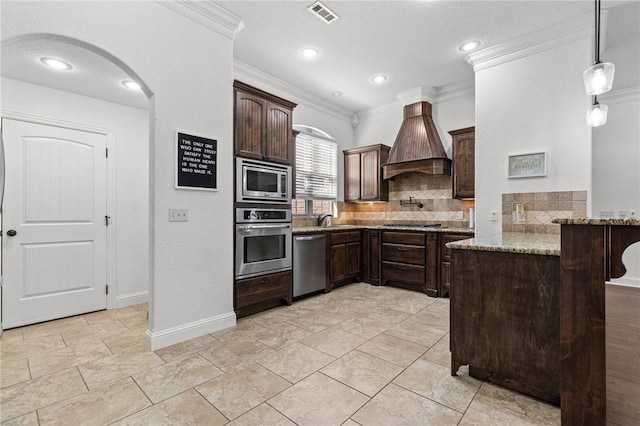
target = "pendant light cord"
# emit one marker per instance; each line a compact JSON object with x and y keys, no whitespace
{"x":597,"y":38}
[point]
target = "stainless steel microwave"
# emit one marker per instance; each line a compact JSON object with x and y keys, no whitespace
{"x":262,"y":182}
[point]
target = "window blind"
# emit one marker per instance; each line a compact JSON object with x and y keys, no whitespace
{"x":316,"y":168}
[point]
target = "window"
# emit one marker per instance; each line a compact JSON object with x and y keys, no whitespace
{"x":316,"y":174}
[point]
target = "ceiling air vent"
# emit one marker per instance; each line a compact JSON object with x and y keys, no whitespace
{"x":323,"y":12}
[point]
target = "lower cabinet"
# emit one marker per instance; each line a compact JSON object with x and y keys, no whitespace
{"x":505,"y":320}
{"x":257,"y":294}
{"x":404,"y":259}
{"x":445,"y":261}
{"x":344,"y":253}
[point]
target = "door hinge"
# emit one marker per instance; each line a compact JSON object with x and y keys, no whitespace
{"x":106,"y":220}
{"x":106,"y":152}
{"x":106,"y":288}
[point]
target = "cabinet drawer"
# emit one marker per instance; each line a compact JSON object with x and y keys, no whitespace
{"x":403,"y":254}
{"x":412,"y":238}
{"x":392,"y":271}
{"x":345,"y":237}
{"x":260,"y":289}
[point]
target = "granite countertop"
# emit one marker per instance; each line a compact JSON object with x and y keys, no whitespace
{"x":512,"y":242}
{"x":316,"y":229}
{"x":595,"y":221}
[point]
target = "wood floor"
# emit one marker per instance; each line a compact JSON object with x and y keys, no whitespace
{"x":623,"y":354}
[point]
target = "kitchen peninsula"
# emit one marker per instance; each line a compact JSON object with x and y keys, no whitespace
{"x":505,"y":311}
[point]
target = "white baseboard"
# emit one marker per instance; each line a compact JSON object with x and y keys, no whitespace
{"x":182,"y":333}
{"x":627,"y":282}
{"x":130,"y":299}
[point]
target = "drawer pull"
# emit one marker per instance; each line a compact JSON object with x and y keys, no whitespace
{"x":402,"y":248}
{"x":264,"y":281}
{"x":402,"y":268}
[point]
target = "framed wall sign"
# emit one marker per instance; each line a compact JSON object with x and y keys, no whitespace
{"x":527,"y":165}
{"x":196,"y":162}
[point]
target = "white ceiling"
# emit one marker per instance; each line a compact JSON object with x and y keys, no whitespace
{"x":413,"y":42}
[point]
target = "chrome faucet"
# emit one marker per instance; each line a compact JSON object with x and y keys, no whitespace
{"x":322,"y":217}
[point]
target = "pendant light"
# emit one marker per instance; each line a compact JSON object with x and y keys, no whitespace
{"x":598,"y":78}
{"x":597,"y":114}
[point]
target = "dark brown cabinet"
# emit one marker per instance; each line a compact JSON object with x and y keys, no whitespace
{"x":363,"y":174}
{"x":404,"y":259}
{"x":371,"y":256}
{"x":505,"y":321}
{"x":344,"y":253}
{"x":262,"y":125}
{"x":463,"y":152}
{"x":445,"y":261}
{"x":253,"y":295}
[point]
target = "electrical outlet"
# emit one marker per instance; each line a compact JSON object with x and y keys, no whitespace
{"x":384,"y":215}
{"x":178,"y":215}
{"x":460,"y":215}
{"x":494,"y":215}
{"x":632,"y":214}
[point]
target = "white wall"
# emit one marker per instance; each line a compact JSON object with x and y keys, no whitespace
{"x":188,"y":69}
{"x":534,"y":103}
{"x":616,"y":168}
{"x":129,"y":150}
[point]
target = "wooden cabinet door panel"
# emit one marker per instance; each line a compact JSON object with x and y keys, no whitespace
{"x":338,"y":262}
{"x":278,"y":133}
{"x":353,"y":258}
{"x":463,"y":153}
{"x":370,"y":175}
{"x":250,"y":121}
{"x":352,"y":177}
{"x":445,"y":278}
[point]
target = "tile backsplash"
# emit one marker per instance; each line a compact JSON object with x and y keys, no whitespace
{"x":434,"y":192}
{"x":540,"y":208}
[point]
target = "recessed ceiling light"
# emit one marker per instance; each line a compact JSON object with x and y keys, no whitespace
{"x":131,"y":85}
{"x":468,"y":46}
{"x":309,"y":53}
{"x":336,"y":94}
{"x":56,"y":63}
{"x":379,"y":78}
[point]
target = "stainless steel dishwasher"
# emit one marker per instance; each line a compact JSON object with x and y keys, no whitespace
{"x":309,"y":264}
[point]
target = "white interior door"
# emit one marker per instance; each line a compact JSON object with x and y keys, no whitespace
{"x":54,"y":264}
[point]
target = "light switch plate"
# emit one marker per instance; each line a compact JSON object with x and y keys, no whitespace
{"x":494,"y":215}
{"x":178,"y":215}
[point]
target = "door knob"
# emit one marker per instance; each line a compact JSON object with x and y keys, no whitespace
{"x":11,"y":233}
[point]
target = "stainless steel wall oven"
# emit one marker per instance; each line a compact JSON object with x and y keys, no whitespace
{"x":263,"y":241}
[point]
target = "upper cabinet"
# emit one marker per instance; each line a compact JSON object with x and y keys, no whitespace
{"x":262,"y":125}
{"x":363,"y":173}
{"x":463,"y":146}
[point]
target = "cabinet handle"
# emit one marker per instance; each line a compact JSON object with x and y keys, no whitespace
{"x":402,"y":268}
{"x":264,"y":281}
{"x":402,"y":249}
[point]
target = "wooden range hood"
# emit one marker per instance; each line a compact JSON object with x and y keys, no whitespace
{"x":418,"y":147}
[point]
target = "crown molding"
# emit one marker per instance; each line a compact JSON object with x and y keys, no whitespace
{"x":252,"y":75}
{"x":538,"y":41}
{"x":209,"y":14}
{"x":456,"y":90}
{"x":628,"y":94}
{"x":434,"y":95}
{"x":419,"y":94}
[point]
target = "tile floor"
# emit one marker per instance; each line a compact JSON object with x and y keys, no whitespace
{"x":361,"y":355}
